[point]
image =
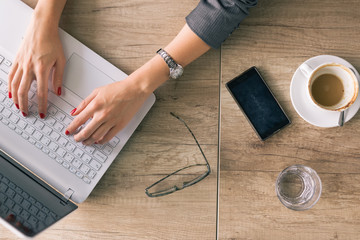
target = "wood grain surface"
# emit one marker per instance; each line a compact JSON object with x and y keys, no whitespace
{"x":128,"y":33}
{"x":277,"y":37}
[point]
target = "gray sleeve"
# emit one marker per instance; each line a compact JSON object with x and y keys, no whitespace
{"x":214,"y":20}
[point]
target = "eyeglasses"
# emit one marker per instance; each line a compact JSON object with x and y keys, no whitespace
{"x":181,"y":178}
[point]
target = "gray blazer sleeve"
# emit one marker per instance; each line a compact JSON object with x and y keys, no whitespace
{"x":214,"y":20}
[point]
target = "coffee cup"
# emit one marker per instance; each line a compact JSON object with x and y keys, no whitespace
{"x":331,"y":86}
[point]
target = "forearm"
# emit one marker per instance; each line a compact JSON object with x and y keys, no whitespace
{"x":49,"y":11}
{"x":184,"y":49}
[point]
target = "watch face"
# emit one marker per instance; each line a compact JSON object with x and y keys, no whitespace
{"x":176,"y":72}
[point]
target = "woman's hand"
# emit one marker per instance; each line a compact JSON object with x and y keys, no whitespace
{"x":40,"y":52}
{"x":111,"y":107}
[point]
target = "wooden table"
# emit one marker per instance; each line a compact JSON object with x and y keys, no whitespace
{"x":277,"y":37}
{"x":128,"y":33}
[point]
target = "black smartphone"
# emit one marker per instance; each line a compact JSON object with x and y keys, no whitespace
{"x":258,"y":103}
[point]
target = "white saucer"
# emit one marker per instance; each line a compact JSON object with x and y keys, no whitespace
{"x":302,"y":103}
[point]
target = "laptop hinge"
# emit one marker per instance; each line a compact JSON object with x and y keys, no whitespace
{"x":67,"y":195}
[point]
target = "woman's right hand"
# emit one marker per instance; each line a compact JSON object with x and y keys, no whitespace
{"x":40,"y":52}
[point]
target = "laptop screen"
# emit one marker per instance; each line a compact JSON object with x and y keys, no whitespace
{"x":27,"y":205}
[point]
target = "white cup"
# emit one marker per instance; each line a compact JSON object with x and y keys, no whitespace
{"x":345,"y":74}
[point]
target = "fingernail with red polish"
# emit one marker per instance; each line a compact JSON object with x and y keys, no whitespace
{"x":10,"y":96}
{"x":24,"y":114}
{"x":67,"y":132}
{"x":59,"y":91}
{"x":16,"y":105}
{"x":10,"y":218}
{"x":72,"y":111}
{"x":42,"y":116}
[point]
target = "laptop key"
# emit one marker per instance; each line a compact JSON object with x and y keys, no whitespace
{"x":33,"y":210}
{"x":24,"y":214}
{"x":30,"y":130}
{"x":38,"y":205}
{"x":3,"y":209}
{"x":78,"y":152}
{"x":52,"y":110}
{"x":10,"y":193}
{"x":18,"y":198}
{"x":84,"y":168}
{"x":17,"y":209}
{"x":86,"y":180}
{"x":49,"y":220}
{"x":2,"y":97}
{"x":33,"y":221}
{"x":92,"y":174}
{"x":7,"y":63}
{"x":114,"y":141}
{"x":3,"y":197}
{"x":79,"y":175}
{"x":41,"y":215}
{"x":107,"y":150}
{"x":9,"y":203}
{"x":68,"y":157}
{"x":55,"y":136}
{"x":100,"y":156}
{"x":60,"y":116}
{"x":96,"y":165}
{"x":3,"y":187}
{"x":32,"y":200}
{"x":3,"y":88}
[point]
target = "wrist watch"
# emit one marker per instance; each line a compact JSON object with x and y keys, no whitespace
{"x":176,"y":70}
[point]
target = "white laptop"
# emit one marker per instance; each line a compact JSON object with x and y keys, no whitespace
{"x":43,"y":172}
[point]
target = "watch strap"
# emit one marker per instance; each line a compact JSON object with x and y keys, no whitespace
{"x":167,"y":58}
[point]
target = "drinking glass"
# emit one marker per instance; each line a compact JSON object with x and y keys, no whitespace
{"x":298,"y":187}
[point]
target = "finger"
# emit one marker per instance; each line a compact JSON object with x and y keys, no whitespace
{"x":11,"y":77}
{"x":88,"y":130}
{"x":109,"y":135}
{"x":23,"y":92}
{"x":57,"y":76}
{"x":42,"y":90}
{"x":15,"y":86}
{"x":84,"y":104}
{"x":98,"y":134}
{"x":79,"y":120}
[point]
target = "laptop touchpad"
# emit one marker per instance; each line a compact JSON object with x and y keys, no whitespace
{"x":81,"y":77}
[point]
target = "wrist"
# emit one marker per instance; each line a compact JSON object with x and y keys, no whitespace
{"x":151,"y":75}
{"x":48,"y":12}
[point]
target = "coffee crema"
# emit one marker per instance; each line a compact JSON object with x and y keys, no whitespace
{"x":327,"y":90}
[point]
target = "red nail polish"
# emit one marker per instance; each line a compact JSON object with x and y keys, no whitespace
{"x":24,"y":114}
{"x":10,"y":218}
{"x":42,"y":116}
{"x":72,"y":111}
{"x":10,"y":96}
{"x":67,"y":132}
{"x":59,"y":91}
{"x":16,"y":105}
{"x":96,"y":142}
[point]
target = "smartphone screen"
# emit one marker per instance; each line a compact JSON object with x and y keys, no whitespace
{"x":259,"y":105}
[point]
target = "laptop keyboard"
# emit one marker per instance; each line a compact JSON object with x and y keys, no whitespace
{"x":22,"y":210}
{"x":48,"y":134}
